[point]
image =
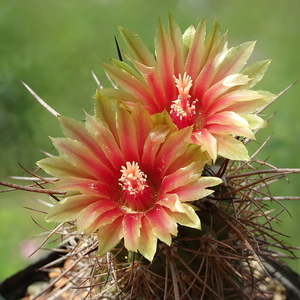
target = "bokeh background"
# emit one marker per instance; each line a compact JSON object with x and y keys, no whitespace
{"x":53,"y":46}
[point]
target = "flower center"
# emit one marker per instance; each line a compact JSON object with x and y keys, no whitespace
{"x":183,"y":109}
{"x":137,"y":194}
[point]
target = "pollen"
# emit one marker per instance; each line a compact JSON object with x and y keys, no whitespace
{"x":133,"y":180}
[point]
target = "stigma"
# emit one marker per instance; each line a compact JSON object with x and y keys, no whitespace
{"x":183,"y":109}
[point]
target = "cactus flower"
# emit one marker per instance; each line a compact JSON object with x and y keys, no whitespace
{"x":199,"y":81}
{"x":127,"y":175}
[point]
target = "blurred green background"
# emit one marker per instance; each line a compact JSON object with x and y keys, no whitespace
{"x":53,"y":46}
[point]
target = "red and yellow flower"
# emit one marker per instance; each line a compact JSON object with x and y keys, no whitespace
{"x":129,"y":175}
{"x":199,"y":81}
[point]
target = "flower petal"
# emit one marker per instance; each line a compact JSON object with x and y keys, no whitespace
{"x":129,"y":83}
{"x":142,"y":117}
{"x":80,"y":156}
{"x":197,"y":189}
{"x":162,"y":224}
{"x":132,"y":226}
{"x":68,"y":209}
{"x":207,"y":142}
{"x":245,"y":107}
{"x":165,"y":55}
{"x":106,"y":218}
{"x":153,"y":143}
{"x":176,"y":37}
{"x":213,"y":94}
{"x":235,"y":60}
{"x":193,"y":153}
{"x":255,"y":122}
{"x":137,"y":47}
{"x":77,"y":131}
{"x":227,"y":118}
{"x":230,"y":129}
{"x":122,"y":65}
{"x":217,"y":46}
{"x":84,"y":186}
{"x":231,"y":148}
{"x":58,"y":167}
{"x":103,"y":135}
{"x":173,"y":147}
{"x":182,"y":177}
{"x":247,"y":100}
{"x":172,"y":202}
{"x":195,"y":57}
{"x":148,"y":241}
{"x":189,"y":218}
{"x":105,"y":111}
{"x":109,"y":236}
{"x":256,"y":72}
{"x":86,"y":220}
{"x":157,"y":101}
{"x":127,"y":135}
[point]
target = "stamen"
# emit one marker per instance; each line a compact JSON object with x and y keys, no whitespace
{"x":183,"y":109}
{"x":133,"y":180}
{"x":136,"y":194}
